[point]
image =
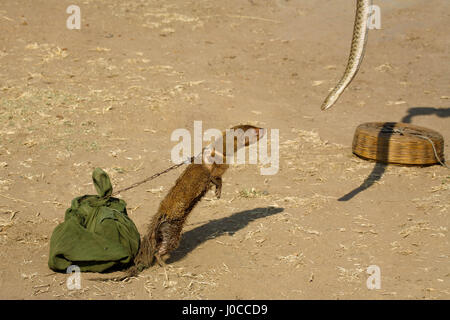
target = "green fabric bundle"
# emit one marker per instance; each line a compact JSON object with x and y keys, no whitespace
{"x":96,"y":234}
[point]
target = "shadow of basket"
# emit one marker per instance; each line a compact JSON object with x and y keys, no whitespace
{"x":396,"y":143}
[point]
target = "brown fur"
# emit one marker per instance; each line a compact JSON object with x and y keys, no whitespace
{"x":164,"y":232}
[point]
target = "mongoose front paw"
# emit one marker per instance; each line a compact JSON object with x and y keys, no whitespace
{"x":217,"y":181}
{"x":161,"y":259}
{"x":218,"y":193}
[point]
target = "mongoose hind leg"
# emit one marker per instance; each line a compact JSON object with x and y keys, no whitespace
{"x":169,"y":234}
{"x":217,"y":181}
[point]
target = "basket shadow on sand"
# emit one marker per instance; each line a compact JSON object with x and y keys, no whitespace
{"x":380,"y":166}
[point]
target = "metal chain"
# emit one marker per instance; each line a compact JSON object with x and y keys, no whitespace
{"x":134,"y":185}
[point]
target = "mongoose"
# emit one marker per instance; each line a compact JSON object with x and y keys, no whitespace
{"x":163,"y":233}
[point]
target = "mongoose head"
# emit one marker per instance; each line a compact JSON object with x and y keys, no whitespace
{"x":241,"y":136}
{"x":245,"y":135}
{"x":238,"y":137}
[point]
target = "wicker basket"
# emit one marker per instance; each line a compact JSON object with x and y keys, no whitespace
{"x":395,"y":142}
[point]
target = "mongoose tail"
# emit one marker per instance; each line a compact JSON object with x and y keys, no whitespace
{"x":164,"y":232}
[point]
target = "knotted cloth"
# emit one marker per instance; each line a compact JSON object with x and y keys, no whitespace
{"x":96,"y":234}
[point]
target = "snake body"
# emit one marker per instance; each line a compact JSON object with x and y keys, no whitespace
{"x":360,"y":31}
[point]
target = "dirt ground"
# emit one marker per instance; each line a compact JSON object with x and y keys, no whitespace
{"x":110,"y":94}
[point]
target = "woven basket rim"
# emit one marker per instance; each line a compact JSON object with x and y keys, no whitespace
{"x":400,"y":143}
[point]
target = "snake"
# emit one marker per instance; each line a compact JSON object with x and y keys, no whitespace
{"x":359,"y":40}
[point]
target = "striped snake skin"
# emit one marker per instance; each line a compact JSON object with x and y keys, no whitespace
{"x":359,"y":40}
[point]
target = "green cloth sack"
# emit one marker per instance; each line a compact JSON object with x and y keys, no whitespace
{"x":96,"y":234}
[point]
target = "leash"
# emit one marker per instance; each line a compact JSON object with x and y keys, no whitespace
{"x":156,"y":175}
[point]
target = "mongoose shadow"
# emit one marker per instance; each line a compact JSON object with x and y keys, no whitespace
{"x":218,"y":227}
{"x":380,"y":167}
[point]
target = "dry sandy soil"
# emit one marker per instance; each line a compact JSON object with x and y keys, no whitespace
{"x":110,"y":94}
